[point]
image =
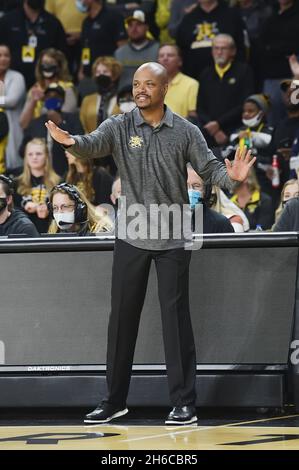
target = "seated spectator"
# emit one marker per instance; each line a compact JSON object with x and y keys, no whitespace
{"x":289,"y":218}
{"x":94,"y":182}
{"x":222,"y":92}
{"x":3,"y":140}
{"x":53,"y":103}
{"x":34,"y":184}
{"x":12,"y":103}
{"x":182,"y":91}
{"x":289,"y":191}
{"x":99,"y":106}
{"x":103,"y":31}
{"x":138,"y":50}
{"x":256,"y":205}
{"x":51,"y":68}
{"x":72,"y":213}
{"x":12,"y":222}
{"x":256,"y":135}
{"x":28,"y":31}
{"x":213,"y":222}
{"x":223,"y":205}
{"x":198,"y":29}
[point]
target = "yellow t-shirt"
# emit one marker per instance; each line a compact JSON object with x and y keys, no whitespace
{"x":182,"y":93}
{"x":67,"y":12}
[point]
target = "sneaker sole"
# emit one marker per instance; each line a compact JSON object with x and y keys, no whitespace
{"x":190,"y":421}
{"x":99,"y":421}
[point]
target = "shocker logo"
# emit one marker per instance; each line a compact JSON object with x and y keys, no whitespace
{"x":135,"y":142}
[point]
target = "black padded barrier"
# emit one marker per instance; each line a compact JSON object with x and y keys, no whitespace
{"x":55,"y":302}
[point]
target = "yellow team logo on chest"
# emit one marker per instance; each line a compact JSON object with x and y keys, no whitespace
{"x":135,"y":142}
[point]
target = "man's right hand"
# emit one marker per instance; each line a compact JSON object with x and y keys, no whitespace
{"x":62,"y":137}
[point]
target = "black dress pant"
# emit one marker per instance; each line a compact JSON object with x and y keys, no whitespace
{"x":130,"y":273}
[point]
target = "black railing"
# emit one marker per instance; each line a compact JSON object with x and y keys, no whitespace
{"x":103,"y":242}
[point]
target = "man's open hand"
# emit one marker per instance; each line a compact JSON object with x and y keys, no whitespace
{"x":62,"y":137}
{"x":239,"y":168}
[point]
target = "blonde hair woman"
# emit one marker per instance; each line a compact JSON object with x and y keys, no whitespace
{"x":97,"y":107}
{"x":35,"y":182}
{"x":95,"y":183}
{"x":289,"y":191}
{"x":51,"y":67}
{"x":72,"y":212}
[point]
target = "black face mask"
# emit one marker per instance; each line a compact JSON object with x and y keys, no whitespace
{"x":104,"y":83}
{"x":48,"y":70}
{"x":36,"y":4}
{"x":3,"y":204}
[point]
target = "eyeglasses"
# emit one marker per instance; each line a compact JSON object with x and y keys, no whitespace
{"x":63,"y":208}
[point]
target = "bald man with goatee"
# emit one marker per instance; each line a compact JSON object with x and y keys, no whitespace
{"x":151,"y":146}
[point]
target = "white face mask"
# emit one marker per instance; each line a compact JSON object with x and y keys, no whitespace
{"x":64,"y":220}
{"x":253,"y":122}
{"x":127,"y":106}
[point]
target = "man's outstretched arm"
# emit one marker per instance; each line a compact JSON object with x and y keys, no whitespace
{"x":98,"y":143}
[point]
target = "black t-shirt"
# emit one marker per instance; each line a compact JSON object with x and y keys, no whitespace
{"x":39,"y":194}
{"x":100,"y":35}
{"x":197,"y":30}
{"x":16,"y":31}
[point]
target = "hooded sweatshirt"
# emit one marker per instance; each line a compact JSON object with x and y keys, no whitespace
{"x":18,"y":224}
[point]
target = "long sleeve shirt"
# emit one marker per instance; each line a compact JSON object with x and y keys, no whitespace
{"x":152,"y":168}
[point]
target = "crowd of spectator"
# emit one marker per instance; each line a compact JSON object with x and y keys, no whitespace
{"x":233,"y":70}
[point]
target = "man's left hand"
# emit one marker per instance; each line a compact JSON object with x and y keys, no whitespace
{"x":239,"y":168}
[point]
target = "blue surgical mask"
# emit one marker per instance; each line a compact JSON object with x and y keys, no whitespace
{"x":54,"y":104}
{"x":195,"y":197}
{"x":81,"y":7}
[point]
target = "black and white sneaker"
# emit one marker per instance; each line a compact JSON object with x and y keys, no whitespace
{"x":105,"y":413}
{"x":182,"y":415}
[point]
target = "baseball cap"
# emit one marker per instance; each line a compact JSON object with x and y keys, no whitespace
{"x":55,"y":87}
{"x":138,"y":15}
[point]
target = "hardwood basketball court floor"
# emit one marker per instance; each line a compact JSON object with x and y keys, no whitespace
{"x":145,"y":429}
